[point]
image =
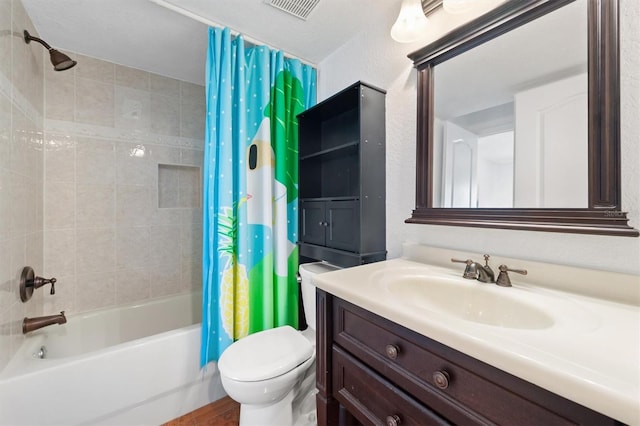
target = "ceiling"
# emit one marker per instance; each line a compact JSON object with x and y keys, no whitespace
{"x":147,"y":35}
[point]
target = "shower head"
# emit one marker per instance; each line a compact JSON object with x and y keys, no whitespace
{"x":59,"y":60}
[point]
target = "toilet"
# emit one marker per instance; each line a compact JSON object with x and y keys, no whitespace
{"x":272,"y":373}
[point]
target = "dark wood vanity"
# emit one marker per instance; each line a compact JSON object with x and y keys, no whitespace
{"x":373,"y":371}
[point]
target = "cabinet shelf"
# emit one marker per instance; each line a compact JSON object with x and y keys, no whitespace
{"x":345,"y":149}
{"x":340,"y":198}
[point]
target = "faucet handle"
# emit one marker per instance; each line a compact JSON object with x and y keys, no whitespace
{"x":40,"y":281}
{"x":471,"y":271}
{"x":503,"y":277}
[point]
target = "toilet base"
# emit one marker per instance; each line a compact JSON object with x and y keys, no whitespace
{"x":264,"y":415}
{"x":297,"y":408}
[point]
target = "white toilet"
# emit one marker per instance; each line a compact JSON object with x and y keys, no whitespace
{"x":272,"y":373}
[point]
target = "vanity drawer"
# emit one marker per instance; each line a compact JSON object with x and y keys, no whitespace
{"x":372,"y":399}
{"x":458,"y":387}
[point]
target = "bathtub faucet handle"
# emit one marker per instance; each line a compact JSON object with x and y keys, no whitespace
{"x":39,"y":282}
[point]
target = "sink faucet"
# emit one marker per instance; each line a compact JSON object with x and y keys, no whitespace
{"x":476,"y":271}
{"x":33,"y":324}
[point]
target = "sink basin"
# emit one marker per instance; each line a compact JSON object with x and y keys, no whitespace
{"x":468,"y":300}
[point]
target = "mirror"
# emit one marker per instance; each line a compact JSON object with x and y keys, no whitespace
{"x":518,"y":120}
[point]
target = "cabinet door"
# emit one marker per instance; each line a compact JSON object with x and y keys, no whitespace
{"x":343,"y":231}
{"x":313,"y":222}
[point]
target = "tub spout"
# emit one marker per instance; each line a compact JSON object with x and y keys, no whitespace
{"x":33,"y":324}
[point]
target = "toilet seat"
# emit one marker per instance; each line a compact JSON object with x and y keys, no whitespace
{"x":264,"y":355}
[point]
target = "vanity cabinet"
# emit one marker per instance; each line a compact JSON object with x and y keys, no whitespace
{"x":342,"y":177}
{"x":373,"y":371}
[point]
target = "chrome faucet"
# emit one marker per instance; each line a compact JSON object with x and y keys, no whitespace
{"x":33,"y":324}
{"x":476,"y":271}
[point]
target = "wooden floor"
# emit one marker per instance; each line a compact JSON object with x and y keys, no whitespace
{"x":224,"y":412}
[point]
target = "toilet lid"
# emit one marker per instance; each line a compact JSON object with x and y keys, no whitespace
{"x":265,"y":354}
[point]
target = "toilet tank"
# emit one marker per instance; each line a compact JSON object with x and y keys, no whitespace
{"x":307,"y":272}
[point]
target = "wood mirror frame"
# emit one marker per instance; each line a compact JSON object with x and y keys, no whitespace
{"x":604,"y":215}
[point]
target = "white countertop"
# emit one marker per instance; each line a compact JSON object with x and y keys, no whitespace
{"x":591,"y":355}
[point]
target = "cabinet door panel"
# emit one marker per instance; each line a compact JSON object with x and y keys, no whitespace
{"x":343,"y":231}
{"x":313,"y":222}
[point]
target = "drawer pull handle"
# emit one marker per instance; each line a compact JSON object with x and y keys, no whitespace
{"x":393,"y":420}
{"x":392,"y":351}
{"x":441,"y":379}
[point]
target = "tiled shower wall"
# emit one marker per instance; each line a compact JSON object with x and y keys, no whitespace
{"x":21,"y":171}
{"x":80,"y":154}
{"x":109,"y":131}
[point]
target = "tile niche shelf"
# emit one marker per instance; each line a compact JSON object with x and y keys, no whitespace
{"x":342,"y":177}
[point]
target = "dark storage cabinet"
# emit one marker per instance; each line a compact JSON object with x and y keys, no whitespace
{"x":342,"y":177}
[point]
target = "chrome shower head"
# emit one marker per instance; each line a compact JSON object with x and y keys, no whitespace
{"x":59,"y":60}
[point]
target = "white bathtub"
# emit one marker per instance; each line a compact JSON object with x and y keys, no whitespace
{"x":129,"y":365}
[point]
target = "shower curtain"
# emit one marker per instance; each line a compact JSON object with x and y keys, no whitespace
{"x":250,"y":194}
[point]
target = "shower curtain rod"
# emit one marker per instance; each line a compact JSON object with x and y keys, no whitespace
{"x":192,"y":15}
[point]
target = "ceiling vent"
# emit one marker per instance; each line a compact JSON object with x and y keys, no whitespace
{"x":298,"y":8}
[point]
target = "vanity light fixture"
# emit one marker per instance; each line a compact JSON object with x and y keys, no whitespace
{"x":411,"y":22}
{"x":59,"y":60}
{"x":457,"y":6}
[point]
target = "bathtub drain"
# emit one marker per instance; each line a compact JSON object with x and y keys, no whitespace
{"x":42,"y":353}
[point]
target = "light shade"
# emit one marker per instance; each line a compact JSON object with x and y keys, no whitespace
{"x":457,"y":6}
{"x":411,"y":23}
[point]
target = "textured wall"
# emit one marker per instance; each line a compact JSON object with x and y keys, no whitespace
{"x":375,"y":58}
{"x":107,"y":129}
{"x":21,"y":170}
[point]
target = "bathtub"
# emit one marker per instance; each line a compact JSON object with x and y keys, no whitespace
{"x":137,"y":364}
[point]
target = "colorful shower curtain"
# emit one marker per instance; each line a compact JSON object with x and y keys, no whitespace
{"x":250,"y":200}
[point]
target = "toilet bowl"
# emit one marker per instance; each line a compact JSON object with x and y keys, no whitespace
{"x":271,"y":373}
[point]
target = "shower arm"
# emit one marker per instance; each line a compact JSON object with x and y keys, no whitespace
{"x":28,"y":37}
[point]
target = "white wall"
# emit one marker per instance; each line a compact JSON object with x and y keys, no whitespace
{"x":375,"y":58}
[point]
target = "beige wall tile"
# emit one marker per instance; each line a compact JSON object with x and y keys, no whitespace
{"x":192,"y":93}
{"x":132,"y":247}
{"x":131,"y":77}
{"x":60,"y":252}
{"x":95,"y":161}
{"x":95,"y":69}
{"x":191,"y":275}
{"x":60,"y":205}
{"x":133,"y":109}
{"x":5,"y":132}
{"x":96,"y":206}
{"x":94,"y":291}
{"x":6,"y":216}
{"x":165,"y":85}
{"x":191,"y":242}
{"x":165,"y":241}
{"x":96,"y":250}
{"x":164,"y":154}
{"x":165,"y":115}
{"x":19,"y":204}
{"x":192,"y":121}
{"x":133,"y":205}
{"x":59,"y":95}
{"x":165,"y":279}
{"x":134,"y":165}
{"x":5,"y":41}
{"x":94,"y":102}
{"x":132,"y":285}
{"x":60,"y":158}
{"x":28,"y":60}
